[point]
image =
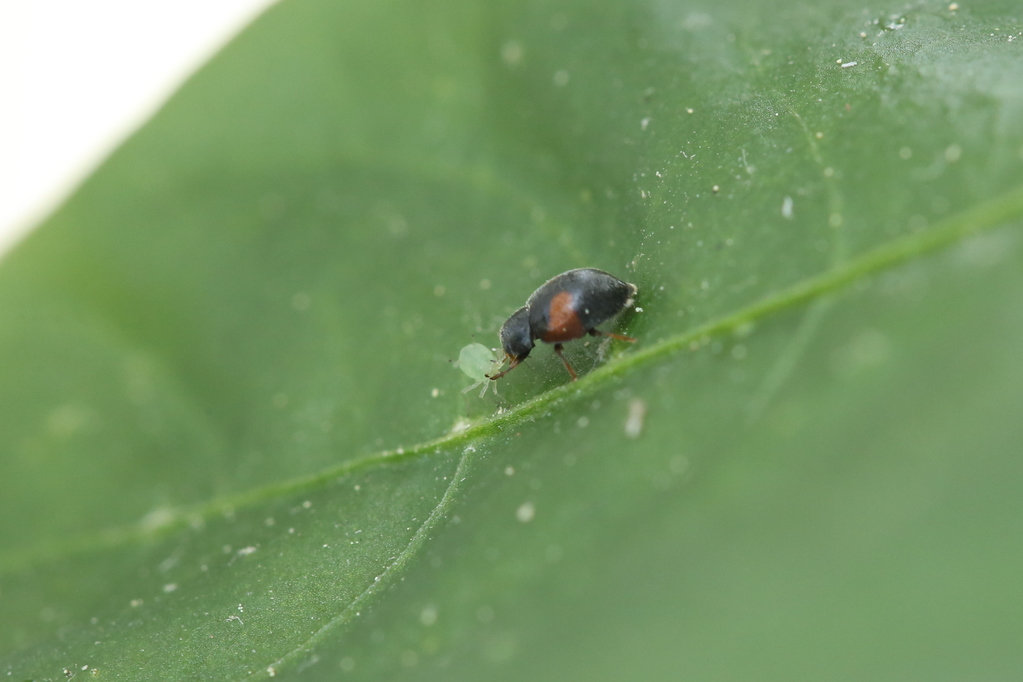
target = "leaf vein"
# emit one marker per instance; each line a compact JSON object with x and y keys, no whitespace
{"x":1004,"y":208}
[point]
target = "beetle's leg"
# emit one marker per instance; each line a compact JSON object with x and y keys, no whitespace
{"x":558,"y":349}
{"x":495,"y":377}
{"x":597,"y":332}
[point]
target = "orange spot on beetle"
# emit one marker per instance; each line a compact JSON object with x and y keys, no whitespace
{"x":564,"y":323}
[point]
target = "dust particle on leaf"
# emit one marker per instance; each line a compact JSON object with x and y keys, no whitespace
{"x":526,"y":512}
{"x":636,"y":418}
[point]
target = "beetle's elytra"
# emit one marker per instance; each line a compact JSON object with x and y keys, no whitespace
{"x":565,"y":308}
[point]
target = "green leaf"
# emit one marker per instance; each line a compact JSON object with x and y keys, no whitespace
{"x":235,"y":445}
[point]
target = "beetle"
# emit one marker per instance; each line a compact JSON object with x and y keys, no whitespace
{"x":565,"y":308}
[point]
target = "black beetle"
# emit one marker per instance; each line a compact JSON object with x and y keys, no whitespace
{"x":565,"y":308}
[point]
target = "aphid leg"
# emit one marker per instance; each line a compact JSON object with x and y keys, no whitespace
{"x":497,"y":364}
{"x":558,"y":348}
{"x":597,"y":332}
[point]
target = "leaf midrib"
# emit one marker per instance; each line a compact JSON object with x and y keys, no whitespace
{"x":983,"y":217}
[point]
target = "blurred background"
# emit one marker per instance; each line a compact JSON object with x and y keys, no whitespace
{"x":77,"y":78}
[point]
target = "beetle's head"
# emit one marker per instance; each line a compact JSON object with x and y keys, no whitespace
{"x":516,"y":339}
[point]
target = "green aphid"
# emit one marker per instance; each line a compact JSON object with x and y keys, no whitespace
{"x":476,"y":361}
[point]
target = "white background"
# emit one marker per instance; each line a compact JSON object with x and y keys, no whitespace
{"x":77,"y":77}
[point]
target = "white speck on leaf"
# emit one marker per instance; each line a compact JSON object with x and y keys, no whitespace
{"x":786,"y":208}
{"x":636,"y":418}
{"x":511,"y":52}
{"x":526,"y":512}
{"x":428,"y":616}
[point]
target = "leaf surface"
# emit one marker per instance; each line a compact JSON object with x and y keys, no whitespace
{"x":230,"y":445}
